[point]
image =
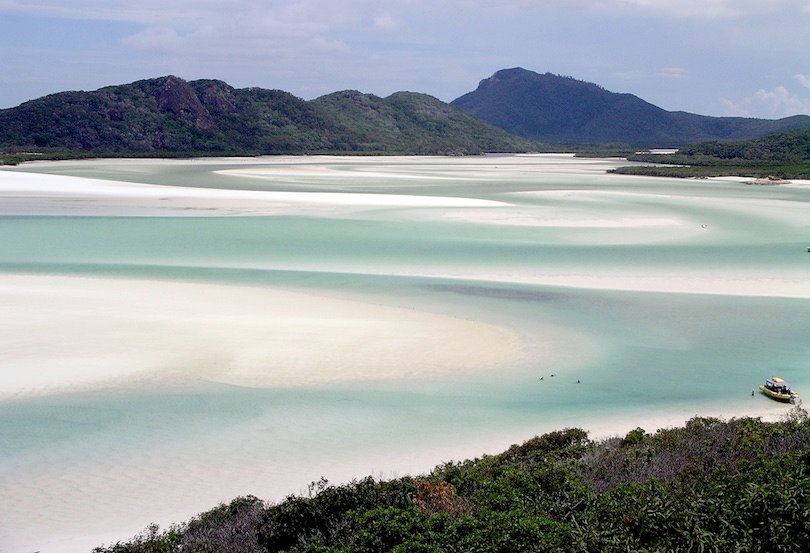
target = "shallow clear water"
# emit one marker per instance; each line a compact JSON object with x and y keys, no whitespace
{"x":635,"y":354}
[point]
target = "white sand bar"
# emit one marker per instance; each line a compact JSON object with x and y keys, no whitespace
{"x":67,"y":333}
{"x":40,"y":194}
{"x":326,"y":382}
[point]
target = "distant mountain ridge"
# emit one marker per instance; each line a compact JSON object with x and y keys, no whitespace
{"x":562,"y":110}
{"x":169,"y":114}
{"x":515,"y":110}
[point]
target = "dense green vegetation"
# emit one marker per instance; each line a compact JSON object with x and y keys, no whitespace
{"x":58,"y":155}
{"x":515,"y":110}
{"x":562,"y":110}
{"x":410,"y":122}
{"x":773,"y":172}
{"x":169,"y":116}
{"x":783,"y":155}
{"x":713,"y":485}
{"x":790,"y":146}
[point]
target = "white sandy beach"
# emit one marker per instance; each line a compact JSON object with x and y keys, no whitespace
{"x":34,"y":194}
{"x":63,"y":336}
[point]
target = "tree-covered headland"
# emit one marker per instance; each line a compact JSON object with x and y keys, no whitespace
{"x":777,"y":156}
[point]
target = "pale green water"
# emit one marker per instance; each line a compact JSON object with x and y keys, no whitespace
{"x":649,"y":352}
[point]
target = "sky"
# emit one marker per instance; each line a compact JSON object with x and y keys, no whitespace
{"x":713,"y":57}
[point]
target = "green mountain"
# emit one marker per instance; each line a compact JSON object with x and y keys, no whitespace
{"x":563,"y":110}
{"x":512,"y":111}
{"x":169,"y":114}
{"x":410,"y":122}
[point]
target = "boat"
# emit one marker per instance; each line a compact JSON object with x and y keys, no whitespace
{"x":777,"y":388}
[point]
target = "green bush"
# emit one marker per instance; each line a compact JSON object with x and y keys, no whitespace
{"x":712,"y":485}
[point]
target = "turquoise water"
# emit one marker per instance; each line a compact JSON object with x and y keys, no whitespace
{"x":636,"y":354}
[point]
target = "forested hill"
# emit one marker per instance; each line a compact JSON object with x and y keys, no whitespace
{"x":410,"y":122}
{"x":515,"y":110}
{"x":560,"y":110}
{"x":169,"y":114}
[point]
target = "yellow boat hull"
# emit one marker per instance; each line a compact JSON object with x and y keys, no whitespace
{"x":789,"y":398}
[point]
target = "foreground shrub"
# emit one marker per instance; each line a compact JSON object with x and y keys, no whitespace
{"x":712,"y":485}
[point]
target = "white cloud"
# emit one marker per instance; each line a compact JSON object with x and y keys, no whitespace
{"x":803,"y":79}
{"x":629,"y":75}
{"x":673,"y":73}
{"x":385,"y":23}
{"x":155,"y":38}
{"x":218,"y":30}
{"x":159,"y":11}
{"x":192,"y":12}
{"x":776,"y":103}
{"x":442,"y":48}
{"x":703,"y":9}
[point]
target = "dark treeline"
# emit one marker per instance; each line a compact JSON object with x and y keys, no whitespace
{"x":784,"y":155}
{"x":712,"y":485}
{"x":790,"y":146}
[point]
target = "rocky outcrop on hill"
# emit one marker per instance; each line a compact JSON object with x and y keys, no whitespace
{"x":169,"y":115}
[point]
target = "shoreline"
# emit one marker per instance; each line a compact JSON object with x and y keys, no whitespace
{"x":181,"y":508}
{"x":170,"y":459}
{"x":262,"y":478}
